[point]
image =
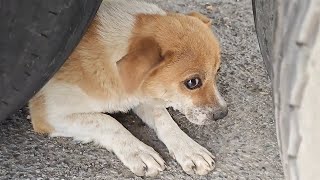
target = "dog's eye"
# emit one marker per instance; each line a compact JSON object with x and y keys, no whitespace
{"x":193,"y":83}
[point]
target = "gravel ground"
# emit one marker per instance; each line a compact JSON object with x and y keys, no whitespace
{"x":244,"y":142}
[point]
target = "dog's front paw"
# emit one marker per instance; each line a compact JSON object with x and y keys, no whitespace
{"x":193,"y":158}
{"x":141,"y":159}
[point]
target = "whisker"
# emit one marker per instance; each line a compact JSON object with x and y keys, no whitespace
{"x":163,"y":94}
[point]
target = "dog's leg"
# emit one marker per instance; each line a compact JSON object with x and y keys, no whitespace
{"x":190,"y":155}
{"x":108,"y":132}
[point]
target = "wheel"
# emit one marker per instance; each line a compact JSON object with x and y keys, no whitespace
{"x":36,"y":37}
{"x":289,"y":38}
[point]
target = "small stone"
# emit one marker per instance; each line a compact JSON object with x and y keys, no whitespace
{"x":264,"y":93}
{"x":225,"y":19}
{"x":209,"y":7}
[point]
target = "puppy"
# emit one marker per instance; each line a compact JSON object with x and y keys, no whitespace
{"x":136,"y":56}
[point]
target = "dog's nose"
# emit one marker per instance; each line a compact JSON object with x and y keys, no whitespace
{"x":220,"y":113}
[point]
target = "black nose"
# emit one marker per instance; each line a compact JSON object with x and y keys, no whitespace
{"x":220,"y":113}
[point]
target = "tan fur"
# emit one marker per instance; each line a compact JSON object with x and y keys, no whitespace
{"x":183,"y":55}
{"x":143,"y":55}
{"x":38,"y":114}
{"x":203,"y":18}
{"x":89,"y":66}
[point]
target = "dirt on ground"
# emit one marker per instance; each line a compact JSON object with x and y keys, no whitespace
{"x":244,"y":142}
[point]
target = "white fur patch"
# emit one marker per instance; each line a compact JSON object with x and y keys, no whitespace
{"x":109,"y":133}
{"x":64,"y":99}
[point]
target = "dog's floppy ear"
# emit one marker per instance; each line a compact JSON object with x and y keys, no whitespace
{"x":143,"y":56}
{"x":201,"y":17}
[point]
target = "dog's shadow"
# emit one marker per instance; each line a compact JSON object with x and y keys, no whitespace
{"x":141,"y":131}
{"x":144,"y":133}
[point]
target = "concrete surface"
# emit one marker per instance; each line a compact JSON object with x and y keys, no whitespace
{"x":244,"y":142}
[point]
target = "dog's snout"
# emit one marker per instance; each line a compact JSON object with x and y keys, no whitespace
{"x":220,"y":113}
{"x":221,"y":109}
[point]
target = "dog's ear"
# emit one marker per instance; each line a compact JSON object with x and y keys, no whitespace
{"x":201,"y":17}
{"x":144,"y":55}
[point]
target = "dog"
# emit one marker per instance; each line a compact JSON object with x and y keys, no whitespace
{"x":135,"y":56}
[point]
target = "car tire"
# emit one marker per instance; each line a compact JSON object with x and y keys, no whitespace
{"x":36,"y":37}
{"x":289,"y":36}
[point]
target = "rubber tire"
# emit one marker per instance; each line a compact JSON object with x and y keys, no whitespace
{"x":36,"y":37}
{"x":289,"y":36}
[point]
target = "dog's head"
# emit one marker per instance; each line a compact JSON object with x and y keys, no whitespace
{"x":175,"y":59}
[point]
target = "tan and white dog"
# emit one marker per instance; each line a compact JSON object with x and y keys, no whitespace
{"x":136,"y":56}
